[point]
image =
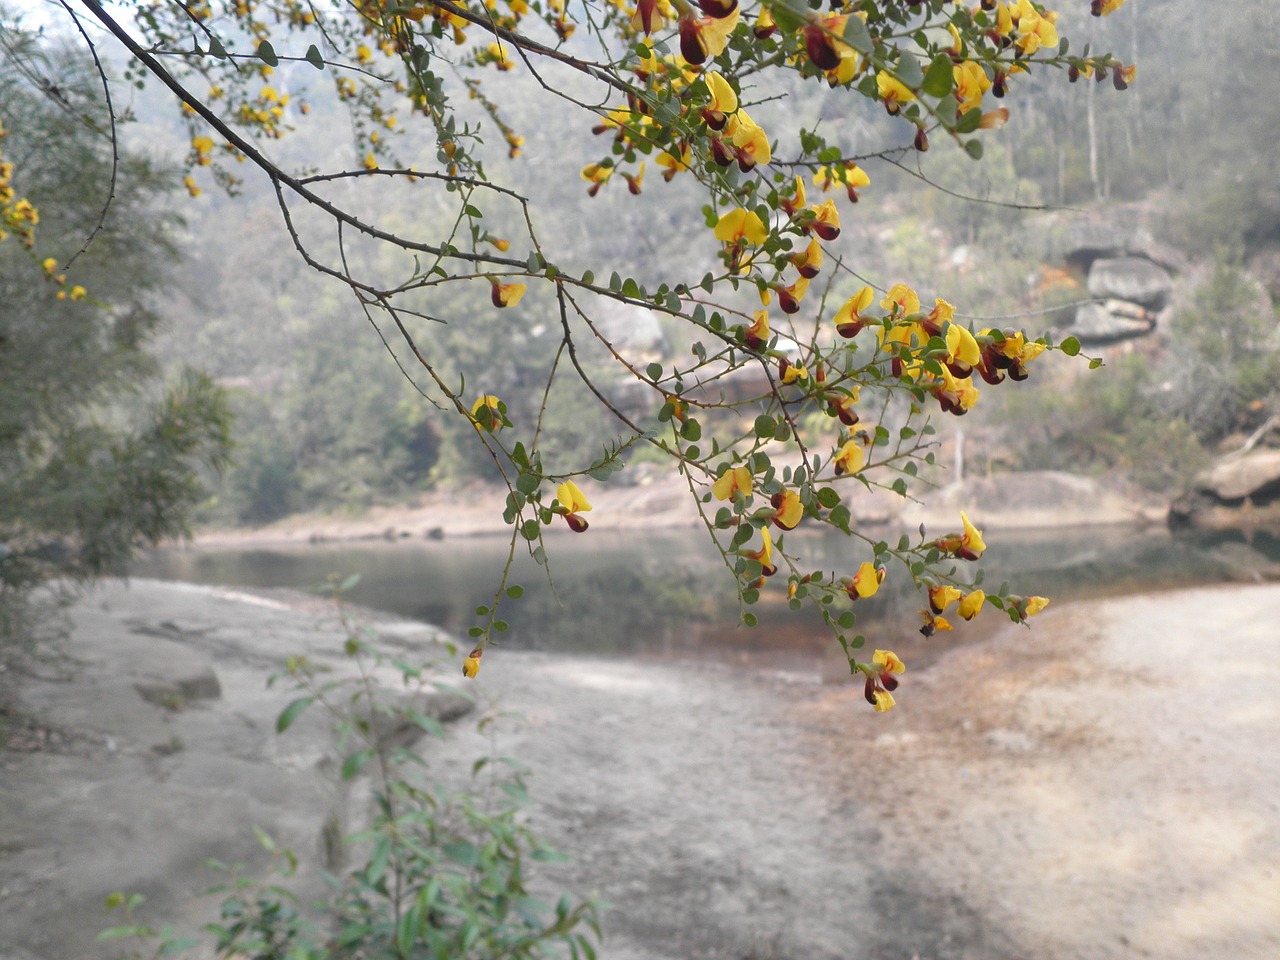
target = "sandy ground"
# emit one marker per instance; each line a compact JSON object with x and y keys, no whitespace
{"x":1103,"y":786}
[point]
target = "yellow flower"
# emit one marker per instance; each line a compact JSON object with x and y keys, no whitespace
{"x":866,"y":581}
{"x":749,"y":140}
{"x":493,"y":419}
{"x":1101,"y":8}
{"x":826,"y":221}
{"x":882,"y":700}
{"x":756,"y":336}
{"x":809,"y":260}
{"x":202,"y":145}
{"x":901,"y":298}
{"x":764,"y":555}
{"x":892,"y":91}
{"x":733,"y":481}
{"x":78,"y":293}
{"x":1036,"y":604}
{"x":881,"y":678}
{"x":941,"y":597}
{"x":787,"y":509}
{"x":972,"y":603}
{"x":740,"y":224}
{"x":190,"y":184}
{"x":471,"y":665}
{"x":572,"y":502}
{"x":849,"y":458}
{"x":370,"y":161}
{"x":723,"y":101}
{"x":962,"y":347}
{"x":506,"y":294}
{"x":50,"y":265}
{"x":794,"y":372}
{"x":674,"y":163}
{"x":849,"y":320}
{"x":789,"y":300}
{"x":971,"y":542}
{"x":888,"y":661}
{"x":971,"y":83}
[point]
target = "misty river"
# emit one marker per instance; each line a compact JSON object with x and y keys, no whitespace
{"x":666,"y":594}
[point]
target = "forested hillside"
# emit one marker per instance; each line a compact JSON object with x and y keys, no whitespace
{"x":326,"y":420}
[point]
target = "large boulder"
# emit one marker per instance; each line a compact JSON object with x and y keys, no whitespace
{"x":1256,"y":475}
{"x":1134,"y":279}
{"x":1095,"y":323}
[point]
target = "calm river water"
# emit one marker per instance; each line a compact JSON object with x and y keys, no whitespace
{"x":665,"y":593}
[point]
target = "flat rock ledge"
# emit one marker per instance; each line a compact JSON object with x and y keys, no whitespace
{"x":172,"y":758}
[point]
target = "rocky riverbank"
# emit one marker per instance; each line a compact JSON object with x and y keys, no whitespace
{"x":1103,"y":786}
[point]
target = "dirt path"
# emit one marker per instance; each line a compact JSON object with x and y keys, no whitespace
{"x":1104,"y":786}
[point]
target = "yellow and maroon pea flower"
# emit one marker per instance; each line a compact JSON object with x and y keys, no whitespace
{"x":822,"y":40}
{"x":791,"y":373}
{"x":706,"y":36}
{"x":963,"y":352}
{"x":718,"y":9}
{"x":971,"y":604}
{"x":893,"y":92}
{"x":789,"y":297}
{"x":757,"y":336}
{"x":849,"y":175}
{"x":741,"y":224}
{"x":734,"y":482}
{"x":967,"y":545}
{"x":1027,"y":607}
{"x":865,"y":581}
{"x":572,"y":502}
{"x":826,"y":220}
{"x":764,"y":556}
{"x":942,"y":596}
{"x":971,"y":83}
{"x":765,"y":26}
{"x":933,"y":623}
{"x":849,"y":319}
{"x":901,"y":301}
{"x":1101,"y":8}
{"x":749,"y":141}
{"x":938,"y":317}
{"x":506,"y":294}
{"x":787,"y":509}
{"x":809,"y":260}
{"x":850,"y":458}
{"x":488,"y":413}
{"x":955,"y":395}
{"x":723,"y":101}
{"x":793,"y":204}
{"x":1122,"y":76}
{"x":647,"y":18}
{"x":634,"y":180}
{"x":843,"y":406}
{"x":882,"y":678}
{"x":674,"y":162}
{"x":471,"y":665}
{"x":597,"y":174}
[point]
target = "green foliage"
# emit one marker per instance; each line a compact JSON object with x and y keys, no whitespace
{"x":1154,"y":421}
{"x":1223,"y":358}
{"x":445,"y":871}
{"x":95,"y":456}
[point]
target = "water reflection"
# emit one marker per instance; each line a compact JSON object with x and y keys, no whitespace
{"x":666,"y":593}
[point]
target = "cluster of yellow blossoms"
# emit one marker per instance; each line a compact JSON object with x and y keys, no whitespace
{"x":16,"y":213}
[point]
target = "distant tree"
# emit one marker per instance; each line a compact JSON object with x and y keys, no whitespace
{"x":95,"y":455}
